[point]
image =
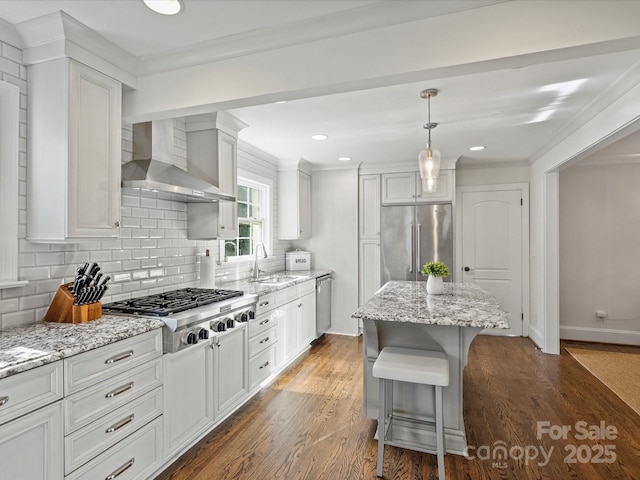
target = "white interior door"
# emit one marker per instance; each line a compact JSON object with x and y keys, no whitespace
{"x":492,"y":249}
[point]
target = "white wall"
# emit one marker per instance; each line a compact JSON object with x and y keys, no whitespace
{"x":334,"y":242}
{"x":599,"y":252}
{"x":617,"y":117}
{"x":491,"y":175}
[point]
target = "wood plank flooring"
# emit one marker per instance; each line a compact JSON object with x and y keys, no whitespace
{"x":309,"y":424}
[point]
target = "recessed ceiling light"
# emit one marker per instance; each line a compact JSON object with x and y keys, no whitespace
{"x":344,"y":159}
{"x":476,"y":148}
{"x":165,"y":7}
{"x":319,"y":136}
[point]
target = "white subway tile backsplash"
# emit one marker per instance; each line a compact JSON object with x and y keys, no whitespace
{"x":35,"y":301}
{"x":10,"y":305}
{"x":152,"y":253}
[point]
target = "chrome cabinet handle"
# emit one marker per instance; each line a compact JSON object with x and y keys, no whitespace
{"x":120,"y":356}
{"x":118,"y":391}
{"x":263,"y":322}
{"x":3,"y":400}
{"x":263,"y":304}
{"x":266,"y":339}
{"x":265,"y":364}
{"x":121,"y":470}
{"x":120,"y":424}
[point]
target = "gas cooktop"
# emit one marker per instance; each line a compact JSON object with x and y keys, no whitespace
{"x":164,"y":304}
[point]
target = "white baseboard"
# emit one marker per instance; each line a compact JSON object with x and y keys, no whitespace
{"x":536,"y":336}
{"x":602,"y":335}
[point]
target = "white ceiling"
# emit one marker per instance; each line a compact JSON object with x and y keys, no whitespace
{"x":516,"y":113}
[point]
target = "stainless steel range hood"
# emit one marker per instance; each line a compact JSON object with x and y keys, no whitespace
{"x":151,"y":167}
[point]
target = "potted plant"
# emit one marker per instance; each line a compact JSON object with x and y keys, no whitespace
{"x":435,"y":272}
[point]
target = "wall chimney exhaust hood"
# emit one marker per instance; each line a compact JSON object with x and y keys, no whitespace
{"x":151,"y":167}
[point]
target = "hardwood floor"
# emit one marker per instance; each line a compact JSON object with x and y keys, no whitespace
{"x":309,"y":425}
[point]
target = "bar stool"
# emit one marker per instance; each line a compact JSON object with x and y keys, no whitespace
{"x":411,"y":365}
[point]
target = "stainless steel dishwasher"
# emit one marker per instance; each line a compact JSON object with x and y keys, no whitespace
{"x":323,"y":304}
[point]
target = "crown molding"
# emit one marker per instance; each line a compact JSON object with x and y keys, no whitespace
{"x":8,"y":34}
{"x":295,"y":164}
{"x":58,"y":35}
{"x":221,"y":120}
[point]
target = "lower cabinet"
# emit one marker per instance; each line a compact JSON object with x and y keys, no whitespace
{"x":296,"y":326}
{"x":188,"y":404}
{"x":306,"y":320}
{"x":31,"y":445}
{"x":136,"y":457}
{"x":230,"y":368}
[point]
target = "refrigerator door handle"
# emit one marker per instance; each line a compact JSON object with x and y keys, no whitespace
{"x":411,"y":249}
{"x":418,"y":266}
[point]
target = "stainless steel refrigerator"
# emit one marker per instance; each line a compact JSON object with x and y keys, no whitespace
{"x":412,"y":235}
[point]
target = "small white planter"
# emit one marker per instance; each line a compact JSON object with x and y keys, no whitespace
{"x":435,"y":285}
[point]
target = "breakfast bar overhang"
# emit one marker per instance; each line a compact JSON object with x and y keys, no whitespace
{"x":402,"y":314}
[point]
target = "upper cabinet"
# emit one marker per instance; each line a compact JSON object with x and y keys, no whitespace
{"x":294,"y":201}
{"x":406,"y":187}
{"x":212,"y":155}
{"x":74,"y":153}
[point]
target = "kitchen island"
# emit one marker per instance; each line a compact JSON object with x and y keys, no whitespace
{"x":402,"y":314}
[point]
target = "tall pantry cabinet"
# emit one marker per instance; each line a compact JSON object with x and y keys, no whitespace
{"x":74,"y":152}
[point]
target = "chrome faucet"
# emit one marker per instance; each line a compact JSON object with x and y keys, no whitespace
{"x":256,"y":269}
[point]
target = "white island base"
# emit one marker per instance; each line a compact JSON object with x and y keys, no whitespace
{"x":413,"y":404}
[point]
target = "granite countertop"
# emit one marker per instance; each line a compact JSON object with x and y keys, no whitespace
{"x":30,"y":346}
{"x":461,"y":304}
{"x":255,"y":288}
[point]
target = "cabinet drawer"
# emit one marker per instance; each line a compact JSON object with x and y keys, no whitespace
{"x":258,"y":343}
{"x":136,"y":457}
{"x":287,"y":294}
{"x":24,"y":392}
{"x":306,"y":287}
{"x":262,"y":323}
{"x":266,"y":303}
{"x":94,"y":402}
{"x":89,"y":368}
{"x":262,"y":366}
{"x":90,"y":441}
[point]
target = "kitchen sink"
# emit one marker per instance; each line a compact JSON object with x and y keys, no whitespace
{"x":276,"y":279}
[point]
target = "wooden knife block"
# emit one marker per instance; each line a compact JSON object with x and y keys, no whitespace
{"x":62,"y":309}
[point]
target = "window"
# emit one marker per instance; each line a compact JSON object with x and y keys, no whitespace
{"x":253,"y":218}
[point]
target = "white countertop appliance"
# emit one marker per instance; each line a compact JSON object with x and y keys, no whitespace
{"x":191,"y":315}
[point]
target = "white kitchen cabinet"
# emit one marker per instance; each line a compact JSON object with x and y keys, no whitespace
{"x":212,"y":155}
{"x":296,"y":320}
{"x":188,"y":393}
{"x":406,"y":187}
{"x":31,"y":445}
{"x":369,"y":206}
{"x":306,"y":320}
{"x":263,"y":344}
{"x":369,"y":269}
{"x":287,"y":332}
{"x":230,"y":369}
{"x":294,"y":204}
{"x":74,"y":153}
{"x":137,"y":457}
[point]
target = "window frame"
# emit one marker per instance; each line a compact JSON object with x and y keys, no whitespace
{"x":265,"y":186}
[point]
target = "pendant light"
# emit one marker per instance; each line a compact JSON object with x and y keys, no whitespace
{"x":429,"y":159}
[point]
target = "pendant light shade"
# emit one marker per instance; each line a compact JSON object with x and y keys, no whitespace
{"x":429,"y":162}
{"x":429,"y":159}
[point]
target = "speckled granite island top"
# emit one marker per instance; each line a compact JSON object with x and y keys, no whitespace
{"x":27,"y":347}
{"x":461,"y":304}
